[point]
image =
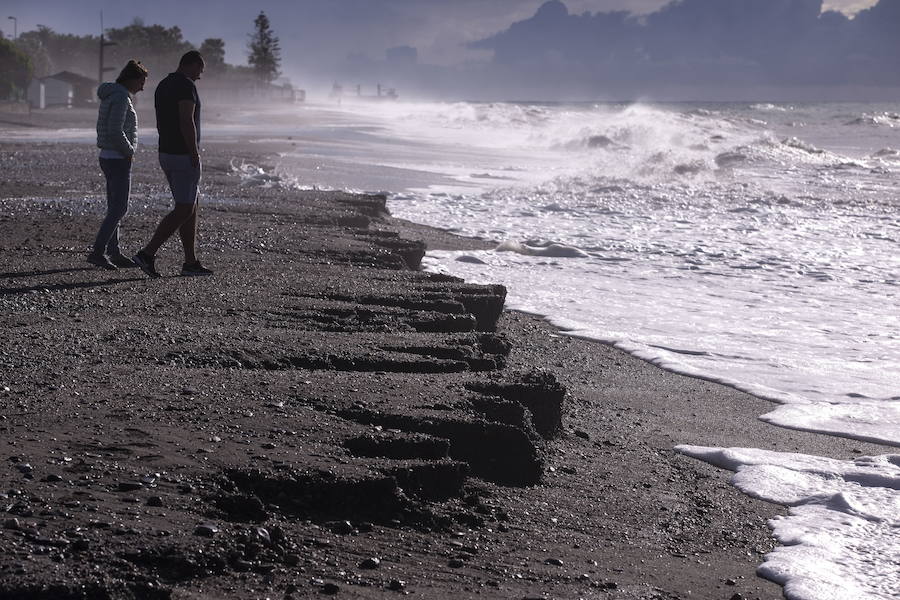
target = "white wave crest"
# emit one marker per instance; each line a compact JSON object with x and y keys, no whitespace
{"x":768,"y":107}
{"x":793,"y":142}
{"x":255,"y":176}
{"x":548,"y":249}
{"x":887,"y":119}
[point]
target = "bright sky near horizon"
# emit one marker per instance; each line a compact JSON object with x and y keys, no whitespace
{"x":439,"y":29}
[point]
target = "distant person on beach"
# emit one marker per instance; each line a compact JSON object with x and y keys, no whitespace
{"x":178,"y":122}
{"x":117,"y":140}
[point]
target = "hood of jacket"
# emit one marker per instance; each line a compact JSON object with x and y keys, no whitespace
{"x":110,"y":88}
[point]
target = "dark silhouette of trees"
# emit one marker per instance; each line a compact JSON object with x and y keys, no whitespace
{"x":52,"y":52}
{"x":265,"y":52}
{"x":158,"y":48}
{"x":15,"y":71}
{"x":213,"y":51}
{"x":43,"y":52}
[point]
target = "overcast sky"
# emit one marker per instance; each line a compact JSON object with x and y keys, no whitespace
{"x":319,"y":29}
{"x":712,"y":49}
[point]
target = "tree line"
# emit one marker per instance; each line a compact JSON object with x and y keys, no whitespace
{"x":44,"y":52}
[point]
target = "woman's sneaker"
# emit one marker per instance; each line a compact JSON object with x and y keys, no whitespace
{"x":194,"y":268}
{"x":99,"y":260}
{"x":147,"y":264}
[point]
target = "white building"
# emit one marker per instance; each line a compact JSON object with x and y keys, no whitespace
{"x":63,"y":89}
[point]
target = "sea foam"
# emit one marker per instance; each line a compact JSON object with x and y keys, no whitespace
{"x":841,"y":538}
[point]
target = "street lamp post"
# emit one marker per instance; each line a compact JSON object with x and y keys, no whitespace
{"x":103,"y":44}
{"x":15,"y":27}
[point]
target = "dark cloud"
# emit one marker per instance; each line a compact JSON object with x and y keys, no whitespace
{"x":707,"y":43}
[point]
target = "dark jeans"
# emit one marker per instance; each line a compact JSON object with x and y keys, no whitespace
{"x":118,"y":187}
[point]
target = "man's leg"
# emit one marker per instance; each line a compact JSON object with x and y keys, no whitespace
{"x":184,"y":181}
{"x":188,"y":230}
{"x":188,"y":234}
{"x":180,"y":216}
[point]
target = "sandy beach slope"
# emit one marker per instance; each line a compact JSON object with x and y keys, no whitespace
{"x":322,"y":417}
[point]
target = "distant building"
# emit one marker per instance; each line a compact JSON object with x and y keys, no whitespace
{"x":381,"y":93}
{"x":63,"y":89}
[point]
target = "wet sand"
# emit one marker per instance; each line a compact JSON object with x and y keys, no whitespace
{"x":322,"y":417}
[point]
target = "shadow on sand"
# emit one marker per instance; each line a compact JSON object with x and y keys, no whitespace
{"x":57,"y":287}
{"x":22,"y":274}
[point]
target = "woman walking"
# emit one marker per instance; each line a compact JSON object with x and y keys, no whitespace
{"x":117,"y":140}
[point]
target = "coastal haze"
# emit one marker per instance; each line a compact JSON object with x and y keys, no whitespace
{"x":529,"y":50}
{"x":709,"y":185}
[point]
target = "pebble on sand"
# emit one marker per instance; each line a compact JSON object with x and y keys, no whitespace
{"x":206,"y":530}
{"x":330,"y":588}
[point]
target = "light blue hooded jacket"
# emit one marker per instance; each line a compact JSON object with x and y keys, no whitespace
{"x":116,"y":120}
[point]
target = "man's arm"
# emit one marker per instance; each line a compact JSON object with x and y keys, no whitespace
{"x":189,"y":130}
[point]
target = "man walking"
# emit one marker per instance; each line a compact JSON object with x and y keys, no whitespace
{"x":178,"y":123}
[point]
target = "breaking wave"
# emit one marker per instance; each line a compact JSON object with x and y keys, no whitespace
{"x":888,"y":119}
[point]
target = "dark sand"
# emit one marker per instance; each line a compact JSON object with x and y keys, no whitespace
{"x":263,"y":433}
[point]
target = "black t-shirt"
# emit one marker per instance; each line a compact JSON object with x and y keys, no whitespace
{"x":170,"y":91}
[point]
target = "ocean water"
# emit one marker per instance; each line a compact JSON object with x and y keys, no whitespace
{"x":756,"y":245}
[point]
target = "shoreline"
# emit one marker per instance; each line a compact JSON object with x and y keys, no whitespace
{"x":616,"y":503}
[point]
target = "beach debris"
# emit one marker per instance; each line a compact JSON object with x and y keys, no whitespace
{"x":370,"y":563}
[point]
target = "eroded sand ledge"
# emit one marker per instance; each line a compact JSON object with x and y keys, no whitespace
{"x":319,"y":416}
